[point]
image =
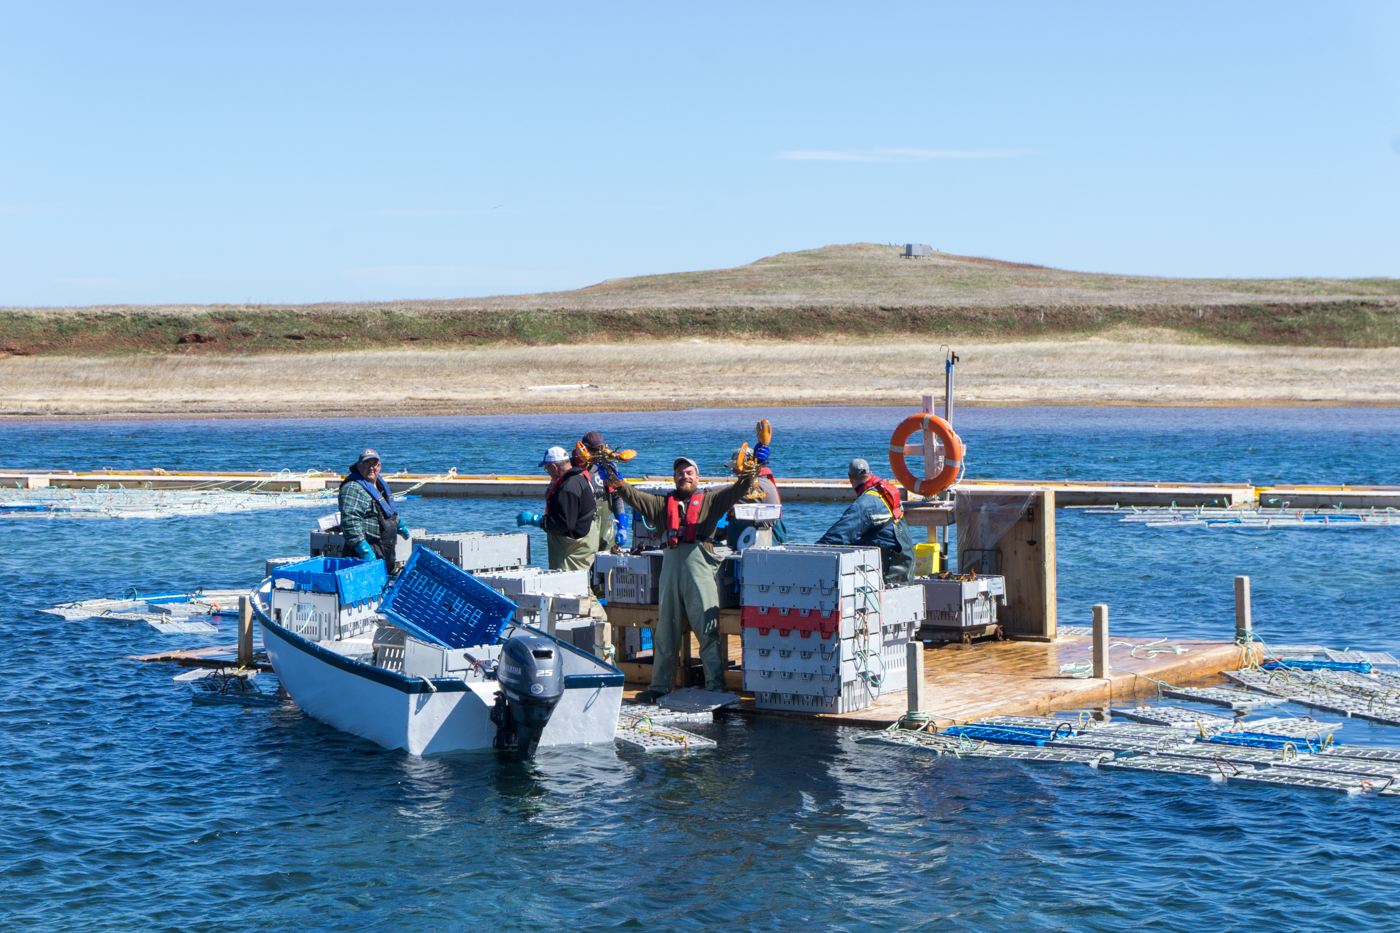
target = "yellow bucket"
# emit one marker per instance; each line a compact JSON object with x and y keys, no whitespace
{"x":925,"y":559}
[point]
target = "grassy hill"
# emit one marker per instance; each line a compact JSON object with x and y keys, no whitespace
{"x":859,"y":290}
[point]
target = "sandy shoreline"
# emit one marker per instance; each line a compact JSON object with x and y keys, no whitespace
{"x":1131,"y":368}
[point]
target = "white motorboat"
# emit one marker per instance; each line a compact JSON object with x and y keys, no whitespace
{"x":403,"y":686}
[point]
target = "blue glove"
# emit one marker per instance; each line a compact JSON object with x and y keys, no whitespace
{"x":610,"y":476}
{"x":363,"y":552}
{"x":760,"y":453}
{"x":403,"y":530}
{"x":529,"y":518}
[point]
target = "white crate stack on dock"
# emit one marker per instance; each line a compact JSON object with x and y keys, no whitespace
{"x":476,"y":552}
{"x":812,"y":627}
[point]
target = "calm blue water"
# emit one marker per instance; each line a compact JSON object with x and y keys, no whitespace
{"x":128,"y":808}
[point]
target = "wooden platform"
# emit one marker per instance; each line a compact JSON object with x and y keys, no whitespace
{"x":213,"y":656}
{"x":1012,"y":677}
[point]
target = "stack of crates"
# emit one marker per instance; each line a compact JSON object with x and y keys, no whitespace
{"x":812,"y":627}
{"x":475,"y":551}
{"x":327,"y":598}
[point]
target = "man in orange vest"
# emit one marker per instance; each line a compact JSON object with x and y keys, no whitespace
{"x":876,"y":519}
{"x":688,"y":591}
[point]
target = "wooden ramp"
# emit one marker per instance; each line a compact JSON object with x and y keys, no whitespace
{"x":990,"y":678}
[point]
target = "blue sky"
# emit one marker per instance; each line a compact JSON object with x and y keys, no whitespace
{"x":306,"y":152}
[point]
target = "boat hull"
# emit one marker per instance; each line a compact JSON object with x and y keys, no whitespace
{"x":420,"y":716}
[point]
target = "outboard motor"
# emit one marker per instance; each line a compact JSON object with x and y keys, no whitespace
{"x":531,"y":675}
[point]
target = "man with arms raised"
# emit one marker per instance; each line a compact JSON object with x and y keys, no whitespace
{"x":688,"y":592}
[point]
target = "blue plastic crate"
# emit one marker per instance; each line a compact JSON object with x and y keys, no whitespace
{"x":352,"y":579}
{"x":439,"y":602}
{"x":1260,"y":740}
{"x":1358,"y":667}
{"x":1002,"y":735}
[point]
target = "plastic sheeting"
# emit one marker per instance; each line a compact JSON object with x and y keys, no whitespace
{"x":982,"y":520}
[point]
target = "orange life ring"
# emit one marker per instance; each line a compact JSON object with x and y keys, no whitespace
{"x":953,"y":451}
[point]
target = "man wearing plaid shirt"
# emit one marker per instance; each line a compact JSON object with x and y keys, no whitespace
{"x":368,"y":519}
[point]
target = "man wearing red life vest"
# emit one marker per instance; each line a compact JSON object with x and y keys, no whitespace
{"x":688,"y":589}
{"x":876,"y":519}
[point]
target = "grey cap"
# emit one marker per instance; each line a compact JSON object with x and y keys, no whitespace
{"x":369,"y":453}
{"x":686,"y":460}
{"x":555,"y":455}
{"x":859,"y":467}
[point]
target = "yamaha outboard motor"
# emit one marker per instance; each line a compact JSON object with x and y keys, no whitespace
{"x":531,"y":675}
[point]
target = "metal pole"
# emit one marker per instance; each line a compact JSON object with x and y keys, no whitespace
{"x":930,"y":461}
{"x":1100,"y":641}
{"x":1244,"y":623}
{"x":245,"y":632}
{"x":948,"y":386}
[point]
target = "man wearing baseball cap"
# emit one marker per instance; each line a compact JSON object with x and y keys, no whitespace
{"x":368,"y":519}
{"x":688,"y":592}
{"x":876,"y":519}
{"x":569,"y":510}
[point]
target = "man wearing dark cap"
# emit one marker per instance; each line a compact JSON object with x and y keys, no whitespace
{"x":368,"y":519}
{"x":876,"y":519}
{"x":688,"y":589}
{"x":604,"y":533}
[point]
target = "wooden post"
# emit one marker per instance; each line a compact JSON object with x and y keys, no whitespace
{"x":1100,"y":641}
{"x":915,"y":674}
{"x":602,"y":640}
{"x":1244,"y":622}
{"x":546,"y":620}
{"x":245,"y":632}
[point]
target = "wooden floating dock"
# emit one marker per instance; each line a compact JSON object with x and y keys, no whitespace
{"x":962,"y":683}
{"x":1140,"y":494}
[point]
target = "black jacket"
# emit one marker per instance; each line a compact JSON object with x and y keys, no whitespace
{"x":569,"y":507}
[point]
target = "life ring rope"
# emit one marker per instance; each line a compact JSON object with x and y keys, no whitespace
{"x":954,"y":451}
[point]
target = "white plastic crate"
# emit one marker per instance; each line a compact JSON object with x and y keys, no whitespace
{"x":780,"y":659}
{"x":332,"y":544}
{"x":852,"y":696}
{"x":635,"y":578}
{"x":962,"y":603}
{"x":808,"y":566}
{"x":902,"y":604}
{"x":272,"y":563}
{"x":535,"y":580}
{"x":475,"y":551}
{"x":757,"y":512}
{"x":320,"y":616}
